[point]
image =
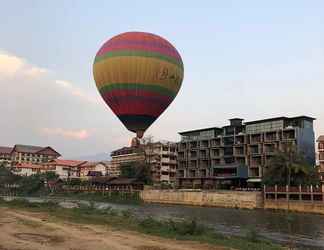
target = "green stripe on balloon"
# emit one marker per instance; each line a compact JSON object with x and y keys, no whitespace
{"x":140,"y":53}
{"x":134,"y":86}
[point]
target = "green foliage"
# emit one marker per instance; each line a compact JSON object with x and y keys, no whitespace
{"x":139,"y":170}
{"x":180,"y":229}
{"x":252,"y":235}
{"x":27,"y":185}
{"x":6,"y":177}
{"x":290,"y":165}
{"x":127,"y":170}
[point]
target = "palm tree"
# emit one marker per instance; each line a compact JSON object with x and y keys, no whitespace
{"x":289,"y":167}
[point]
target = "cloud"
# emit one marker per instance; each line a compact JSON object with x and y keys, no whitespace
{"x":75,"y":91}
{"x":14,"y":66}
{"x":36,"y":71}
{"x":81,"y":134}
{"x":11,"y":65}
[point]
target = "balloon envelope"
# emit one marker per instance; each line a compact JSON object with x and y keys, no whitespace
{"x":138,"y":75}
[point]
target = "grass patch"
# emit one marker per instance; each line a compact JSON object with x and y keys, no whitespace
{"x":124,"y":219}
{"x":114,"y":197}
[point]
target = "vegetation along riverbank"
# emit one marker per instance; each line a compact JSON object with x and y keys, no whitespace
{"x":125,"y":221}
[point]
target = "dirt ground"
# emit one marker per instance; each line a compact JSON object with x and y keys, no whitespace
{"x":20,"y":230}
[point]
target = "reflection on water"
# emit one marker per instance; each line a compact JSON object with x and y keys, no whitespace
{"x":307,"y":229}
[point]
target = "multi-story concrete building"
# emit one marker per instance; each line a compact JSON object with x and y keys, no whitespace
{"x":27,"y":169}
{"x":88,"y":168}
{"x":161,"y":156}
{"x":32,"y":154}
{"x":123,"y":156}
{"x":320,"y":149}
{"x":5,"y":155}
{"x":65,"y":169}
{"x":239,"y":152}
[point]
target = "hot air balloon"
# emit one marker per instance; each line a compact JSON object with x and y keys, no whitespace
{"x":138,"y":75}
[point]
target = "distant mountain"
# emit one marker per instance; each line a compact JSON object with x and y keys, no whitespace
{"x":95,"y":157}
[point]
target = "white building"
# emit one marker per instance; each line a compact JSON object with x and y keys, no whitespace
{"x":27,"y":169}
{"x":66,"y":169}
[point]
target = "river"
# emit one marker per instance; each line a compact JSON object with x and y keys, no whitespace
{"x":307,"y":230}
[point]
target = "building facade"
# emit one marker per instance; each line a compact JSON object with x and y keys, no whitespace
{"x":5,"y":155}
{"x":123,"y":156}
{"x":32,"y":154}
{"x":65,"y":169}
{"x":320,"y":148}
{"x":238,"y":153}
{"x":27,"y":169}
{"x":161,"y":157}
{"x":89,"y":168}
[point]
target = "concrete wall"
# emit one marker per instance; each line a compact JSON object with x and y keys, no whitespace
{"x":219,"y":198}
{"x":298,"y":206}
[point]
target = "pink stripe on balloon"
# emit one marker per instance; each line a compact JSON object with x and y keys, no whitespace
{"x":138,"y":46}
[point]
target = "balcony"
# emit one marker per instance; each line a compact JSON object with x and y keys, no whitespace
{"x":165,"y":160}
{"x":255,"y":150}
{"x":289,"y":134}
{"x":215,"y":143}
{"x":193,"y":145}
{"x":165,"y":168}
{"x":256,"y":138}
{"x":204,"y":144}
{"x":239,"y":151}
{"x":270,"y":137}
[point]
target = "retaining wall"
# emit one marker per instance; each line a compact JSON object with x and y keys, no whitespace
{"x":221,"y":198}
{"x":298,"y":206}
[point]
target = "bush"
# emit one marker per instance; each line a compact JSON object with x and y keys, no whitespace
{"x":252,"y":235}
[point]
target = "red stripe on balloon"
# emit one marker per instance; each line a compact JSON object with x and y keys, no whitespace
{"x":140,"y":41}
{"x":154,"y":96}
{"x":117,"y":47}
{"x":135,"y":106}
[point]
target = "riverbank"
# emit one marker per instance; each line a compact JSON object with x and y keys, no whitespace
{"x":217,"y":198}
{"x":124,"y":222}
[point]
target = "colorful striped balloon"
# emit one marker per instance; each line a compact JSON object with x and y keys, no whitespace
{"x":138,"y":75}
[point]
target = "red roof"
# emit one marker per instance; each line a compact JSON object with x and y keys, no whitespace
{"x":35,"y":149}
{"x":5,"y":150}
{"x":67,"y":163}
{"x":321,"y":138}
{"x":29,"y":165}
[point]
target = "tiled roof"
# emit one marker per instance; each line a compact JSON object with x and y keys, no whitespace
{"x":67,"y":163}
{"x":29,"y":165}
{"x":27,"y":148}
{"x":89,"y":164}
{"x":34,"y":149}
{"x":321,"y":138}
{"x":5,"y":150}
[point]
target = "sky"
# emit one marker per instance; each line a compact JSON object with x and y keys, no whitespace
{"x":247,"y":59}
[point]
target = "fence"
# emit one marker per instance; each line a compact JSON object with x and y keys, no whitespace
{"x":288,"y":193}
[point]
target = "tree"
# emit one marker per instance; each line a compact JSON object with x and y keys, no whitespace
{"x":289,"y":167}
{"x":139,"y":170}
{"x":6,"y":176}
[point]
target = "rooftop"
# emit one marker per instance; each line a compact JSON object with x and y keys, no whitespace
{"x":29,"y":165}
{"x":280,"y":118}
{"x":67,"y":163}
{"x":248,"y":123}
{"x":320,"y":138}
{"x":199,"y":130}
{"x":5,"y":150}
{"x":33,"y":149}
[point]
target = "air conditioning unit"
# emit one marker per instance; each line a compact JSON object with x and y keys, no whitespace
{"x":289,"y":127}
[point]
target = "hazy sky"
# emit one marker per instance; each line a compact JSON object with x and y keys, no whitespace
{"x":248,"y":59}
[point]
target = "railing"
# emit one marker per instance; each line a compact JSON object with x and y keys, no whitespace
{"x":299,"y":193}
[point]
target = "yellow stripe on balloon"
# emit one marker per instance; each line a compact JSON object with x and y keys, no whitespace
{"x":133,"y":69}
